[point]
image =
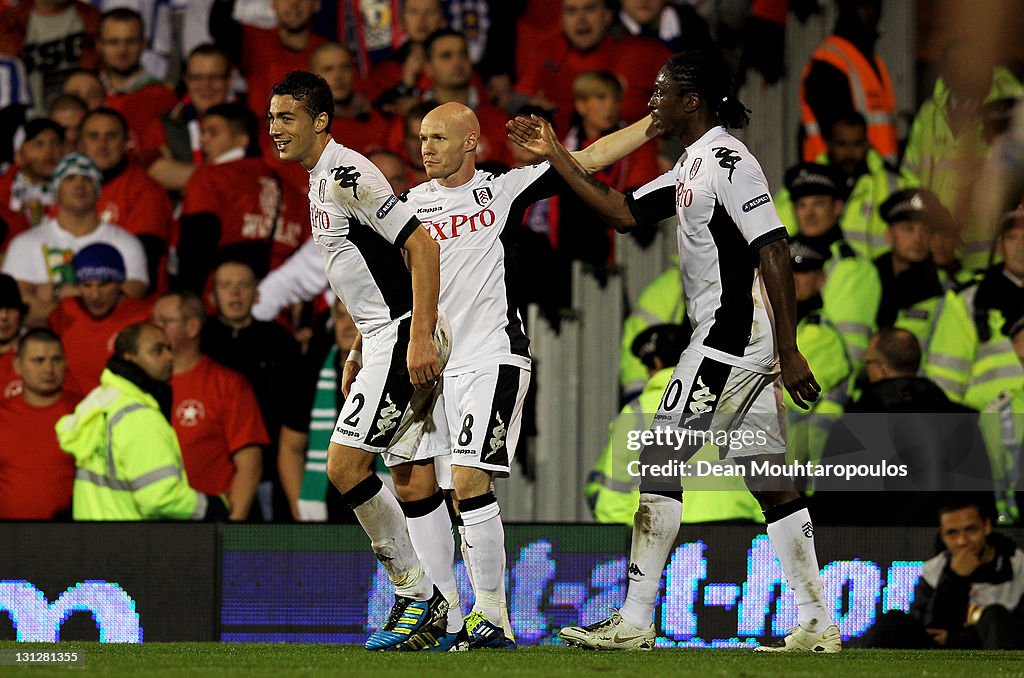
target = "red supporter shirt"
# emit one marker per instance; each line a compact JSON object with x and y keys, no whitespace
{"x":215,"y":415}
{"x":243,"y":195}
{"x":635,"y":60}
{"x":88,"y":341}
{"x":265,"y":61}
{"x":36,"y":477}
{"x":363,"y":134}
{"x":142,"y":106}
{"x":10,"y":383}
{"x":136,"y":203}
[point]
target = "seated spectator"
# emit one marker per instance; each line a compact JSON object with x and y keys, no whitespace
{"x":121,"y":435}
{"x":88,"y":87}
{"x":170,"y":145}
{"x":216,"y":416}
{"x":678,"y":26}
{"x":612,"y":493}
{"x":913,"y":424}
{"x":26,"y":191}
{"x":265,"y":353}
{"x":67,"y":110}
{"x":945,"y":151}
{"x":306,"y":428}
{"x":864,"y":181}
{"x":264,"y":56}
{"x":89,"y":322}
{"x":131,"y":90}
{"x":12,"y":314}
{"x":35,"y":475}
{"x":969,"y":595}
{"x":972,"y":355}
{"x":355,"y":123}
{"x":52,"y":38}
{"x":394,"y":82}
{"x":234,"y":206}
{"x":40,"y":258}
{"x":129,"y":197}
{"x":585,"y":45}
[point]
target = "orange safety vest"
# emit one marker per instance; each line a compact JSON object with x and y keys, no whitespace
{"x":870,"y":90}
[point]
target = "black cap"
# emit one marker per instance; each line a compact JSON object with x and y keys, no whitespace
{"x":664,"y":341}
{"x":915,"y":203}
{"x":809,"y":178}
{"x":10,"y":295}
{"x":33,"y":128}
{"x":804,"y":259}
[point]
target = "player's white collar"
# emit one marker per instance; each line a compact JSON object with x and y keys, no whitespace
{"x":323,"y":162}
{"x":706,"y":138}
{"x":476,"y":177}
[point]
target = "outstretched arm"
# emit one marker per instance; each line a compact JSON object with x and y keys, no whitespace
{"x":605,"y":201}
{"x":615,"y":146}
{"x":778,"y":282}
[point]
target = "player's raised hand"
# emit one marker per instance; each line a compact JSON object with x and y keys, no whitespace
{"x":798,"y":380}
{"x":534,"y":134}
{"x":424,"y":368}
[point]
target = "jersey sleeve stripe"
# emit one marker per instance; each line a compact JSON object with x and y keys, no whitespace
{"x":652,"y":208}
{"x":406,"y":231}
{"x":769,"y":237}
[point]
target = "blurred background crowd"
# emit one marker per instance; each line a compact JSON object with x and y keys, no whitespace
{"x":139,"y":184}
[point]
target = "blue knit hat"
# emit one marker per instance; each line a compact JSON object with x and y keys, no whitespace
{"x":99,"y":261}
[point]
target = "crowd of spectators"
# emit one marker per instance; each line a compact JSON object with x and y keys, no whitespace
{"x":140,"y":185}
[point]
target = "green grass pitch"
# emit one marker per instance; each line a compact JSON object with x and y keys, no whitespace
{"x":286,"y":660}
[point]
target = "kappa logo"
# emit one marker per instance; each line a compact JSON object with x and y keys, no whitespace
{"x":497,"y":440}
{"x":347,"y":177}
{"x":387,"y":417}
{"x":636,"y":571}
{"x":756,"y":202}
{"x":190,"y":412}
{"x":702,"y":401}
{"x":695,"y":168}
{"x":808,"y":529}
{"x":322,"y":191}
{"x":428,"y":210}
{"x":482,"y":196}
{"x":727,"y":158}
{"x":387,"y":206}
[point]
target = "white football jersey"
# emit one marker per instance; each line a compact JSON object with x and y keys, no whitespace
{"x":720,"y":199}
{"x":359,"y":225}
{"x":476,"y":226}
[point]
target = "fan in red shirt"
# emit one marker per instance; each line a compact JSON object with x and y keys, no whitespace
{"x":25,"y":190}
{"x":12,"y":315}
{"x":235,"y":206}
{"x":355,"y":123}
{"x":214,"y":413}
{"x":394,"y":82}
{"x":36,"y":477}
{"x":584,"y":45}
{"x":266,"y":55}
{"x":129,"y":198}
{"x":139,"y":96}
{"x":88,"y":323}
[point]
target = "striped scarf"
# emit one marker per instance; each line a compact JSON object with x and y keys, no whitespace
{"x":313,"y":495}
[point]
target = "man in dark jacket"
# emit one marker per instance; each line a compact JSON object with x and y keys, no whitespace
{"x":903,"y":419}
{"x":969,"y":595}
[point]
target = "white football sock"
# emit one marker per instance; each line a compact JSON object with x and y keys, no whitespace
{"x":431,"y":533}
{"x":792,"y":537}
{"x":655,"y":527}
{"x":485,"y":540}
{"x":384,"y":523}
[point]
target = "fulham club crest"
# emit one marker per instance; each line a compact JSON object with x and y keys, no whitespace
{"x":694,"y":168}
{"x":323,"y":189}
{"x":482,"y":196}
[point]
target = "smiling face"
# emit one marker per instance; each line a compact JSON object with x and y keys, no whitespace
{"x":207,"y":77}
{"x":294,"y":131}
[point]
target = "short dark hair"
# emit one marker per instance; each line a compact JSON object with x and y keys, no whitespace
{"x":109,"y":112}
{"x":127,"y":340}
{"x":445,"y":32}
{"x":958,"y":501}
{"x":239,"y":118}
{"x":67,"y":101}
{"x":848,"y":117}
{"x":191,"y":305}
{"x":40,"y":334}
{"x":311,"y":90}
{"x":899,"y":349}
{"x":209,"y":49}
{"x":123,"y":14}
{"x":705,"y":72}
